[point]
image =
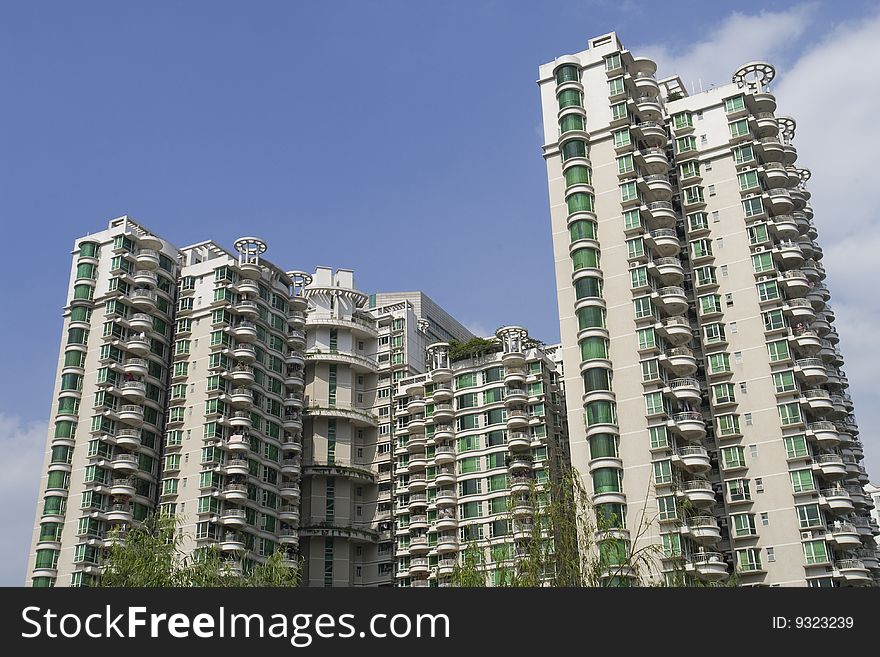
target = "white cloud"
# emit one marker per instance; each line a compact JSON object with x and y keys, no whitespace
{"x":832,"y":89}
{"x":23,"y":445}
{"x":740,"y":38}
{"x":479,"y":329}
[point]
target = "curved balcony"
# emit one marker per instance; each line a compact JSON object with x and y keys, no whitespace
{"x":685,"y":390}
{"x":774,"y":174}
{"x":417,"y":463}
{"x":676,"y":330}
{"x":417,"y":483}
{"x":416,"y":405}
{"x":135,"y":391}
{"x":295,"y":379}
{"x":698,"y":492}
{"x":669,"y":271}
{"x":135,"y":367}
{"x":444,"y":455}
{"x":296,"y":339}
{"x":709,"y":566}
{"x":147,"y":259}
{"x":817,"y":400}
{"x":289,"y":513}
{"x":770,"y":149}
{"x":288,"y":537}
{"x":241,"y":397}
{"x":125,"y":463}
{"x":659,"y":214}
{"x":294,"y":400}
{"x":237,"y":467}
{"x":702,"y":529}
{"x":356,"y":362}
{"x":124,"y":486}
{"x":515,"y":396}
{"x":291,"y":467}
{"x":778,"y":200}
{"x":446,"y":543}
{"x":419,"y":545}
{"x":784,"y":227}
{"x":694,"y":458}
{"x":232,"y":543}
{"x":663,"y":241}
{"x":790,"y":254}
{"x":852,"y":571}
{"x":289,"y":490}
{"x":443,"y":413}
{"x":518,"y":440}
{"x":517,"y":419}
{"x":128,"y":438}
{"x":242,"y":375}
{"x":443,"y":433}
{"x":244,"y":331}
{"x":764,"y":124}
{"x":241,"y":419}
{"x":519,"y":464}
{"x":237,"y":443}
{"x":811,"y":370}
{"x":520,"y":484}
{"x":416,"y":443}
{"x":690,"y":424}
{"x":442,"y":392}
{"x":830,"y":466}
{"x":248,"y":286}
{"x":119,"y":513}
{"x":514,"y":375}
{"x":824,"y":434}
{"x":844,"y":535}
{"x":140,"y":322}
{"x":653,"y":160}
{"x":131,"y":415}
{"x":805,"y":340}
{"x":244,"y":352}
{"x":143,"y":299}
{"x":417,"y":501}
{"x":234,"y":518}
{"x":836,"y":499}
{"x":680,"y":361}
{"x":234,"y":492}
{"x":445,"y":497}
{"x":360,"y":326}
{"x":446,"y":521}
{"x":673,"y":300}
{"x":292,"y":422}
{"x":139,"y":344}
{"x":444,"y":477}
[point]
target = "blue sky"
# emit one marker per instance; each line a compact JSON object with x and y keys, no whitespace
{"x":339,"y":132}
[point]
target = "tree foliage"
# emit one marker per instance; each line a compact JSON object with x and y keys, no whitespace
{"x":150,"y":555}
{"x":474,"y":347}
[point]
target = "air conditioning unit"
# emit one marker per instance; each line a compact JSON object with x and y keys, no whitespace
{"x":806,"y":535}
{"x":759,"y":249}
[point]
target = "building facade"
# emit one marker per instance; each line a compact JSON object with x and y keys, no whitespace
{"x":695,"y":325}
{"x":474,"y":435}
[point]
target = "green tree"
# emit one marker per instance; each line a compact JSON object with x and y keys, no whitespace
{"x":150,"y":555}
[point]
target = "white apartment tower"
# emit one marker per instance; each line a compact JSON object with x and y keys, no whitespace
{"x":696,"y":327}
{"x":252,"y":402}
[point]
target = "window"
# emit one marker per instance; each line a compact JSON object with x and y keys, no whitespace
{"x":689,"y":169}
{"x":738,"y":490}
{"x":738,"y":128}
{"x":784,"y":381}
{"x":654,"y":403}
{"x":701,"y":248}
{"x":748,"y":560}
{"x":802,"y":481}
{"x":639,"y":277}
{"x":585,"y":258}
{"x":574,"y":148}
{"x":743,"y":154}
{"x":697,"y":221}
{"x":719,"y":363}
{"x":709,"y":304}
{"x":659,"y":437}
{"x":789,"y":414}
{"x":651,"y":370}
{"x":733,"y":457}
{"x":723,"y":393}
{"x":752,"y":207}
{"x":714,"y":333}
{"x":570,"y":98}
{"x":622,"y":138}
{"x":693,"y":194}
{"x":628,"y":192}
{"x":643,"y":307}
{"x":796,"y":446}
{"x":743,"y":524}
{"x":768,"y":290}
{"x":711,"y":190}
{"x":606,"y":480}
{"x":748,"y":179}
{"x":647,"y":338}
{"x":778,"y":350}
{"x":613,"y":62}
{"x":771,"y":554}
{"x":632,"y":219}
{"x":809,"y":516}
{"x":588,"y":287}
{"x":601,"y":412}
{"x":734,"y":104}
{"x":762,"y":262}
{"x":590,"y":317}
{"x":625,"y":164}
{"x":682,"y":120}
{"x":615,"y":86}
{"x":579,"y":202}
{"x":705,"y":275}
{"x":635,"y":248}
{"x":685,"y":144}
{"x":773,"y":320}
{"x":815,"y":552}
{"x":728,"y":424}
{"x":619,"y":111}
{"x":582,"y":230}
{"x":663,"y":472}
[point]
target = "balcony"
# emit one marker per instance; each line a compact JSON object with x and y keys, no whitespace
{"x":645,"y":84}
{"x":664,"y":242}
{"x":443,"y":433}
{"x":128,"y":438}
{"x":789,"y":253}
{"x":517,"y":419}
{"x":289,"y":490}
{"x":294,"y":400}
{"x":125,"y":463}
{"x":418,"y":522}
{"x":653,"y":160}
{"x":709,"y":566}
{"x":135,"y":367}
{"x":289,"y":537}
{"x":289,"y":513}
{"x":244,"y":352}
{"x":799,"y":310}
{"x":244,"y":331}
{"x":237,"y":467}
{"x":823,"y":433}
{"x":774,"y":174}
{"x":135,"y":391}
{"x":680,"y":361}
{"x":513,"y":358}
{"x":698,"y":492}
{"x":685,"y":389}
{"x":690,"y":424}
{"x":295,"y":359}
{"x":294,"y":378}
{"x":836,"y":499}
{"x":119,"y":513}
{"x":139,"y":344}
{"x":515,"y":396}
{"x":445,"y":497}
{"x":417,"y":463}
{"x":518,"y":440}
{"x":416,"y":443}
{"x":659,"y":214}
{"x":811,"y":370}
{"x":694,"y":458}
{"x":418,"y":567}
{"x":443,"y":413}
{"x":794,"y":282}
{"x":442,"y":392}
{"x":147,"y":259}
{"x":140,"y":322}
{"x":513,"y":375}
{"x":445,"y":477}
{"x":770,"y":148}
{"x":234,"y":492}
{"x":657,"y":187}
{"x":844,"y":535}
{"x":291,"y":467}
{"x":446,"y":567}
{"x":124,"y":486}
{"x":673,"y":300}
{"x":676,"y":330}
{"x":852,"y":571}
{"x":784,"y":227}
{"x":241,"y":397}
{"x":131,"y":415}
{"x":242,"y":375}
{"x":143,"y":299}
{"x":446,"y":521}
{"x":417,"y":483}
{"x":830,"y":466}
{"x":805,"y":340}
{"x":444,"y":455}
{"x":702,"y":529}
{"x":241,"y":419}
{"x":668,"y":271}
{"x":446,"y":543}
{"x":519,"y":464}
{"x":232,"y":543}
{"x":296,"y":339}
{"x":234,"y":518}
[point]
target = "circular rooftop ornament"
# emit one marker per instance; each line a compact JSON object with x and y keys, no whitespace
{"x":761,"y":73}
{"x":250,"y":246}
{"x":787,"y":126}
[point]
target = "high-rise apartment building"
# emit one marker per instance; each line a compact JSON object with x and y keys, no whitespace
{"x":695,"y":326}
{"x":474,"y":435}
{"x":252,"y":402}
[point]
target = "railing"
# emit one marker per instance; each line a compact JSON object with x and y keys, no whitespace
{"x":663,"y":232}
{"x":817,"y":393}
{"x":842,"y":528}
{"x":242,"y":392}
{"x":672,"y":290}
{"x":670,"y":260}
{"x":828,"y":458}
{"x":241,"y":415}
{"x":245,"y":347}
{"x":684,"y":383}
{"x":657,"y":177}
{"x":702,"y":558}
{"x":234,"y":513}
{"x":692,"y":451}
{"x":809,"y":362}
{"x":143,"y":294}
{"x":147,"y":253}
{"x":837,"y":491}
{"x":849,"y":564}
{"x":794,"y":273}
{"x":141,"y":317}
{"x":765,"y":115}
{"x":237,"y":463}
{"x":128,"y":433}
{"x":235,"y":488}
{"x":130,"y":408}
{"x":644,"y":74}
{"x":702,"y":521}
{"x":676,"y":321}
{"x":659,"y":205}
{"x":821,"y":425}
{"x":244,"y":368}
{"x":769,"y":140}
{"x":798,"y":302}
{"x":688,"y":416}
{"x":695,"y":485}
{"x":134,"y":385}
{"x":128,"y":482}
{"x":679,"y":351}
